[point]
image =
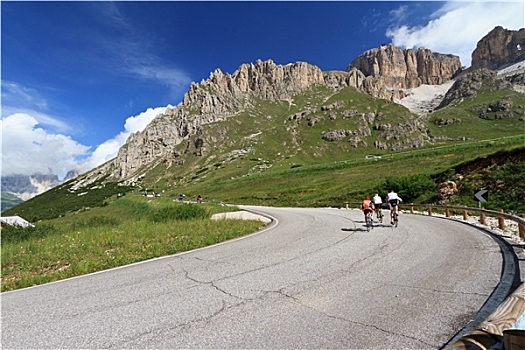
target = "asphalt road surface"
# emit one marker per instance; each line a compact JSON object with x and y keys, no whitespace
{"x":314,"y":280}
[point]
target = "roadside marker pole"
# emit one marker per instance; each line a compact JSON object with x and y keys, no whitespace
{"x":501,"y":221}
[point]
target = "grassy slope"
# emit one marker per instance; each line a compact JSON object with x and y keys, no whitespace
{"x":292,"y":165}
{"x":334,"y":183}
{"x":475,"y":128}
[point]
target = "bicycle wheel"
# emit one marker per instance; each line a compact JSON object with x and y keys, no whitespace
{"x":396,"y":220}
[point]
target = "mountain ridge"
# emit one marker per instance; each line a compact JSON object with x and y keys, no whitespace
{"x":223,"y":95}
{"x":183,"y":130}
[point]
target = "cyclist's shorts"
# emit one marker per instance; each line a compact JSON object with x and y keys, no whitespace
{"x":378,"y":205}
{"x":393,"y":202}
{"x":366,"y":211}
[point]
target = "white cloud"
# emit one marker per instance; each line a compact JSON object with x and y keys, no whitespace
{"x":22,"y":95}
{"x":458,"y":26}
{"x":28,"y":149}
{"x":109,"y":149}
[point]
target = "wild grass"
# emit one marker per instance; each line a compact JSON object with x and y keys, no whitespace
{"x":129,"y":230}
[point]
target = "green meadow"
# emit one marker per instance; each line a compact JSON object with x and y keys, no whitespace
{"x":131,"y":229}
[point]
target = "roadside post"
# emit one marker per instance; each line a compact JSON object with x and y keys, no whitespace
{"x":501,"y":221}
{"x":482,"y":196}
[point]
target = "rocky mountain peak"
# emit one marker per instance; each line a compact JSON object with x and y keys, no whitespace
{"x":264,"y":79}
{"x":406,"y":68}
{"x":28,"y":186}
{"x":213,"y":99}
{"x":500,"y":47}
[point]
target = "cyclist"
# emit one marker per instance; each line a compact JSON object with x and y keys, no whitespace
{"x":367,"y":206}
{"x":393,"y":200}
{"x":378,"y":203}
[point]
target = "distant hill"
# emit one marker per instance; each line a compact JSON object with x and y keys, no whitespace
{"x":18,"y":188}
{"x":10,"y":200}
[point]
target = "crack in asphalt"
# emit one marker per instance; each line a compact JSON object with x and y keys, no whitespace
{"x":437,"y":290}
{"x":339,"y":318}
{"x":183,"y":325}
{"x":212,"y":284}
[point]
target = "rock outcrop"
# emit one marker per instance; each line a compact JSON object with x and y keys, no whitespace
{"x":214,"y":99}
{"x":467,"y":86}
{"x":499,"y":48}
{"x":406,"y":68}
{"x":265,"y":80}
{"x":374,"y":86}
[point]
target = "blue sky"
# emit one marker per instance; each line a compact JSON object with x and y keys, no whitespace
{"x":79,"y":77}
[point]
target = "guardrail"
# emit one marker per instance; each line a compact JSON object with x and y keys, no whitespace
{"x":497,"y":328}
{"x":483,"y":213}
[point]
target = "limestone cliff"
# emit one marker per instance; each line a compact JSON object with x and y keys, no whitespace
{"x":499,"y":48}
{"x":405,"y":68}
{"x":28,"y":186}
{"x":214,"y":99}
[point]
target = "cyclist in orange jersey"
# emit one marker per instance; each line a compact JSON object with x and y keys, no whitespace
{"x":367,"y":206}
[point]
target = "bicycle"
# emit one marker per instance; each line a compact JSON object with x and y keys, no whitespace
{"x":396,"y":219}
{"x":379,"y":213}
{"x":393,"y":202}
{"x":369,"y":221}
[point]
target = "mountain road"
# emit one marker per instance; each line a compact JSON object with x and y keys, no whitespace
{"x":313,"y":278}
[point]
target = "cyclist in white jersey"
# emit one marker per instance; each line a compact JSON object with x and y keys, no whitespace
{"x":378,"y":203}
{"x":393,"y":200}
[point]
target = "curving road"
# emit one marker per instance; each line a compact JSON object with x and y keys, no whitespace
{"x":315,"y":280}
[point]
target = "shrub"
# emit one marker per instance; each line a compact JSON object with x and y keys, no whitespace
{"x":410,"y":188}
{"x":179,"y":213}
{"x":14,"y":234}
{"x":95,"y":221}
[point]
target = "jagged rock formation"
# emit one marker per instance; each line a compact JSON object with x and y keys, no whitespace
{"x":219,"y":97}
{"x":470,"y":83}
{"x":375,"y":86}
{"x":406,"y":69}
{"x":18,"y":188}
{"x":221,"y":92}
{"x":498,"y":48}
{"x":467,"y":86}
